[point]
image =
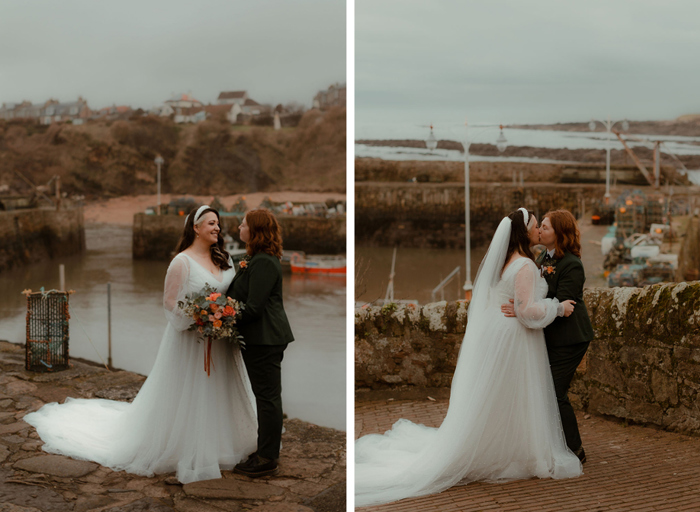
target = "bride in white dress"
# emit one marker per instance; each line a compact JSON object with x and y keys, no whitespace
{"x":181,"y":420}
{"x":503,"y":421}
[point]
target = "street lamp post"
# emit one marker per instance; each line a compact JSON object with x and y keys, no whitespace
{"x":501,"y":144}
{"x":431,"y":142}
{"x":608,"y":127}
{"x":467,"y":217}
{"x":159,"y":161}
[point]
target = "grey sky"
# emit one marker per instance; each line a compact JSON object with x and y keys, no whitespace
{"x":139,"y":52}
{"x":516,"y":61}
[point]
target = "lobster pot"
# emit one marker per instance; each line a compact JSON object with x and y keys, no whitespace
{"x":630,"y":213}
{"x":47,"y":332}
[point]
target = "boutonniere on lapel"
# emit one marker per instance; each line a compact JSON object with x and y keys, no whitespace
{"x":548,"y":270}
{"x":244,"y":262}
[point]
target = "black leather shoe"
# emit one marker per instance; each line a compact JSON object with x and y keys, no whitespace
{"x":581,"y":454}
{"x":251,"y":458}
{"x":257,"y":466}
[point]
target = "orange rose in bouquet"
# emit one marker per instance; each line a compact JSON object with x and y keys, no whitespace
{"x":214,"y":318}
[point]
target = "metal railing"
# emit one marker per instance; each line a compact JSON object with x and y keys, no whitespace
{"x":441,"y":287}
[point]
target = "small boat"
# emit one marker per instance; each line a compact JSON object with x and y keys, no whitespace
{"x":234,"y":249}
{"x":318,"y":264}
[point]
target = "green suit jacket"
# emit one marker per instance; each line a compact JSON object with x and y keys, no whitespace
{"x":566,"y":282}
{"x":259,"y":287}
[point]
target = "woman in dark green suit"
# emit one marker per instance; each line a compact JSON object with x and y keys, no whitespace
{"x":266,"y":333}
{"x":568,"y":337}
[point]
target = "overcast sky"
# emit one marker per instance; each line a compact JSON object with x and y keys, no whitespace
{"x":515,"y":61}
{"x":139,"y":52}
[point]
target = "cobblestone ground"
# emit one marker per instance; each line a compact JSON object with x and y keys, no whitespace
{"x":630,"y":468}
{"x":312,"y":464}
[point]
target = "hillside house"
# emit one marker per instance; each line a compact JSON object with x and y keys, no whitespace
{"x":183,"y":108}
{"x":113,"y":112}
{"x":74,"y":111}
{"x":228,"y":111}
{"x":334,"y":96}
{"x":189,"y":114}
{"x":183,"y":101}
{"x":249,"y":107}
{"x":52,"y":111}
{"x":231,"y":97}
{"x":253,"y":108}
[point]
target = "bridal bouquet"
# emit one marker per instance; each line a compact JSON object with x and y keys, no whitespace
{"x":214,"y":317}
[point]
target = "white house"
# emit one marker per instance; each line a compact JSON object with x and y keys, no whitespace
{"x":252,"y":107}
{"x":165,"y":110}
{"x":183,"y":101}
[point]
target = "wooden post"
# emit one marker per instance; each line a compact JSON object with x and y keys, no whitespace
{"x":58,"y":193}
{"x":62,"y":277}
{"x":657,"y":164}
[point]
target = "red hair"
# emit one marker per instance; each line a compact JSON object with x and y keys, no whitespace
{"x":568,"y":237}
{"x":265,"y":233}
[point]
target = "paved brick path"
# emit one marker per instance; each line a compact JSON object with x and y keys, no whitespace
{"x":629,"y":468}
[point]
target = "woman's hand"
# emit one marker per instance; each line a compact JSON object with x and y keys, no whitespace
{"x":568,"y":307}
{"x":508,"y":309}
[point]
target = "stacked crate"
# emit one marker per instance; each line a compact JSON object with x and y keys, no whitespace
{"x":656,"y":211}
{"x":630,"y":213}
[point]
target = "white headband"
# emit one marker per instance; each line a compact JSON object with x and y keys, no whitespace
{"x":198,"y":214}
{"x":525,"y":215}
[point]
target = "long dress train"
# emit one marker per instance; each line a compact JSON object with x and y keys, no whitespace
{"x":181,"y":420}
{"x":503,"y":421}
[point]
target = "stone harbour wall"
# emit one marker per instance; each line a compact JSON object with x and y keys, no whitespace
{"x":156,"y":236}
{"x":378,"y":169}
{"x":431,"y":215}
{"x":34,"y":235}
{"x":642,"y":366}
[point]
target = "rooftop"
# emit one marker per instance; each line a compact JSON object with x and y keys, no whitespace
{"x":227,"y":95}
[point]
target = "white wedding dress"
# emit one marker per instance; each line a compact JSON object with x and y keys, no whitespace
{"x":503,"y":421}
{"x":181,"y":420}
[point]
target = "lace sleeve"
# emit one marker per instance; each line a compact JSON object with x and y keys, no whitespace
{"x":533,"y":312}
{"x":175,"y":290}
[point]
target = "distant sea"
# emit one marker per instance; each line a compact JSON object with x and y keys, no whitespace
{"x":676,"y":145}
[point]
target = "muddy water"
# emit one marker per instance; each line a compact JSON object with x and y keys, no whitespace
{"x":418,"y":272}
{"x":313,"y":371}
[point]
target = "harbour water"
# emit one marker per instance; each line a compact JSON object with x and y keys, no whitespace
{"x":313,"y":370}
{"x":417,"y":272}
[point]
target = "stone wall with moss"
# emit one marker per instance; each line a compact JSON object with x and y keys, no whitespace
{"x":156,"y":236}
{"x":34,"y":235}
{"x":689,"y":256}
{"x":643,"y":366}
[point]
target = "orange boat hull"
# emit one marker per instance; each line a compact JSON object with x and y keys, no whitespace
{"x":296,"y":269}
